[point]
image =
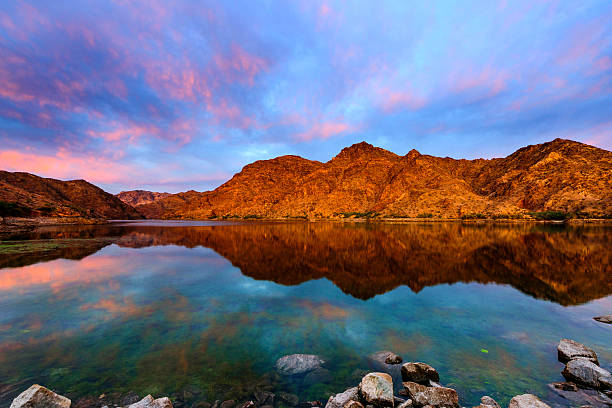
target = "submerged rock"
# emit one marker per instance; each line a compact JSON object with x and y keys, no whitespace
{"x":377,"y":389}
{"x":420,"y":373}
{"x":570,"y":349}
{"x":604,"y":319}
{"x":386,"y":357}
{"x":585,"y":372}
{"x":527,"y":401}
{"x":38,"y":396}
{"x":291,"y":400}
{"x":488,"y":402}
{"x":339,"y":400}
{"x":296,"y":364}
{"x":318,"y":376}
{"x":581,"y":396}
{"x":422,"y":395}
{"x":150,"y":402}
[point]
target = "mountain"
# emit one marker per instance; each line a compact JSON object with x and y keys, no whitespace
{"x":139,"y":197}
{"x":24,"y":194}
{"x":561,"y":175}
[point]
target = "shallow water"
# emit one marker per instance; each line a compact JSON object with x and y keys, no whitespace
{"x":201,"y":311}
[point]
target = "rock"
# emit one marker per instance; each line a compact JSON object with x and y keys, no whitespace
{"x":420,"y":373}
{"x":228,"y":404}
{"x":585,"y":372}
{"x":264,"y":397}
{"x":581,"y":396}
{"x":353,"y":404}
{"x":318,"y":376}
{"x":606,"y":382}
{"x":377,"y":389}
{"x":339,"y":400}
{"x":386,"y":357}
{"x":38,"y":396}
{"x":422,"y":395}
{"x":604,"y":319}
{"x":488,"y":402}
{"x":150,"y":402}
{"x":248,"y":404}
{"x":296,"y":364}
{"x":527,"y":401}
{"x":291,"y":400}
{"x":405,"y":404}
{"x":570,"y":349}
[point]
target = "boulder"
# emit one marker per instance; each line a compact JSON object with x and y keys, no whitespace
{"x":570,"y":349}
{"x":605,"y":382}
{"x":604,"y":319}
{"x":296,"y":364}
{"x":581,"y":396}
{"x":527,"y":401}
{"x":228,"y":404}
{"x":422,"y":395}
{"x":488,"y":402}
{"x":38,"y":396}
{"x":377,"y":389}
{"x":291,"y":400}
{"x":353,"y":404}
{"x":340,"y":400}
{"x":420,"y":373}
{"x":585,"y":372}
{"x":150,"y":402}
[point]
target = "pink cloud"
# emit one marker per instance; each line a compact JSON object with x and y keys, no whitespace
{"x":65,"y":165}
{"x":394,"y":100}
{"x":324,"y":130}
{"x":491,"y":81}
{"x":240,"y":66}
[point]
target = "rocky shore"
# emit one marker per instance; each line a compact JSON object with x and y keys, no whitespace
{"x":587,"y":385}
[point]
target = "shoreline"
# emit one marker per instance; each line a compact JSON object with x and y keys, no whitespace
{"x":586,"y":384}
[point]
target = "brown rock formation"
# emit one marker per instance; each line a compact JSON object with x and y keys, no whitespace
{"x":140,"y":197}
{"x":56,"y":198}
{"x":561,"y":175}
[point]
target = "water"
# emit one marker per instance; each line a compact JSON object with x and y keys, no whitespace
{"x":201,"y":311}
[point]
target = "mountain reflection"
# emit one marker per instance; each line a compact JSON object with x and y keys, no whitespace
{"x":567,"y":265}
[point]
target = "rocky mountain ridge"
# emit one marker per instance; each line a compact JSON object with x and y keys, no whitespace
{"x":27,"y":195}
{"x":560,"y":175}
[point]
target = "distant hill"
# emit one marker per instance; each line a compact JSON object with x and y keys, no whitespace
{"x":27,"y":195}
{"x":561,"y":175}
{"x":139,"y":197}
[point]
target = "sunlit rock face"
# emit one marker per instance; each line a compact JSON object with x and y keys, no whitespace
{"x":560,"y":175}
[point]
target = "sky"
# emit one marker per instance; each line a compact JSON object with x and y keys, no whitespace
{"x":173,"y":96}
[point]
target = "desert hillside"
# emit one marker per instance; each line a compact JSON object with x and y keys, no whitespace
{"x":27,"y":195}
{"x":561,"y":175}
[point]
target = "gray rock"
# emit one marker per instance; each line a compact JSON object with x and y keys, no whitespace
{"x":422,"y":395}
{"x":585,"y":372}
{"x":248,"y":404}
{"x":570,"y":349}
{"x":150,"y":402}
{"x":340,"y":400}
{"x":353,"y":404}
{"x":38,"y":396}
{"x":581,"y":396}
{"x":488,"y":402}
{"x":604,"y":319}
{"x":264,"y":397}
{"x":296,"y":364}
{"x":606,"y":382}
{"x":420,"y":373}
{"x":377,"y":389}
{"x":527,"y":401}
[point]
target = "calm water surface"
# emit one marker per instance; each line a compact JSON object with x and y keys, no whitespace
{"x":201,"y":311}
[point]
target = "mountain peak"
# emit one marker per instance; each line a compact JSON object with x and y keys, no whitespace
{"x":361,"y":149}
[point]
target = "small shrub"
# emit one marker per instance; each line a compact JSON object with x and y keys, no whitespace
{"x":473,"y":216}
{"x":425,"y":215}
{"x":549,"y":215}
{"x":368,"y":214}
